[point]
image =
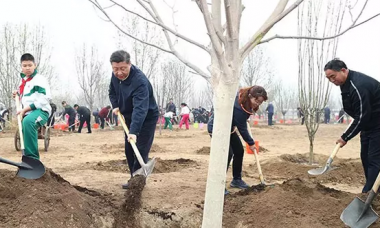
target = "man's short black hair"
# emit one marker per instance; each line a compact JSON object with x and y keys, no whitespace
{"x":120,"y":56}
{"x":76,"y":105}
{"x":335,"y":65}
{"x":108,"y":106}
{"x":27,"y":57}
{"x":63,"y":102}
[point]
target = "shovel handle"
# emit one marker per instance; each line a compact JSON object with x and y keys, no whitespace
{"x":133,"y":143}
{"x":376,"y":185}
{"x":335,"y":151}
{"x":261,"y":176}
{"x":17,"y":98}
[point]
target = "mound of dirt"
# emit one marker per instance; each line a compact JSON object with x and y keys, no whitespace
{"x":304,"y":158}
{"x":348,"y":171}
{"x":168,"y":166}
{"x":111,"y":147}
{"x":295,"y":203}
{"x":51,"y":202}
{"x":128,"y":217}
{"x":263,"y":149}
{"x":203,"y":150}
{"x":156,"y":149}
{"x":112,"y":166}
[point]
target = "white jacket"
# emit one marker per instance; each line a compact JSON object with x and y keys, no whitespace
{"x":185,"y":110}
{"x":36,"y":94}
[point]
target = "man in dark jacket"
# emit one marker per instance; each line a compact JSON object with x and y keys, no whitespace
{"x":84,"y":116}
{"x":270,"y":110}
{"x":131,"y":94}
{"x":361,"y":100}
{"x":71,"y":112}
{"x":327,"y":112}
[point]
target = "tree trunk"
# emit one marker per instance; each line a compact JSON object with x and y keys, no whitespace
{"x":311,"y":151}
{"x":224,"y":97}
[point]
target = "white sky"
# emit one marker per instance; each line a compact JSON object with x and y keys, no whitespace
{"x":70,"y":23}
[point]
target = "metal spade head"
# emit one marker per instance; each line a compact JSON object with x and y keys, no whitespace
{"x":30,"y":168}
{"x":146,"y":169}
{"x":353,"y":215}
{"x":321,"y":170}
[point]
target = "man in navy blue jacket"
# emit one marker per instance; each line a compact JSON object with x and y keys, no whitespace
{"x":131,"y":94}
{"x":361,"y":100}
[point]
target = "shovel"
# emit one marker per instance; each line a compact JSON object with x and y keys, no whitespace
{"x":261,"y":176}
{"x":29,"y":168}
{"x":146,"y":169}
{"x":322,"y":170}
{"x":360,"y":214}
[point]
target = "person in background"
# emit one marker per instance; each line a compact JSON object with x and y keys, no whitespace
{"x":247,"y":102}
{"x":301,"y":115}
{"x":270,"y":110}
{"x":103,"y":115}
{"x":168,"y":120}
{"x":170,"y":107}
{"x":95,"y":113}
{"x":185,"y":114}
{"x":361,"y":100}
{"x":327,"y":115}
{"x":341,"y":114}
{"x":84,"y":117}
{"x":71,"y":112}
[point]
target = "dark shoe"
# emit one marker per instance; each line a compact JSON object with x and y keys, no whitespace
{"x":125,"y":186}
{"x":226,"y":192}
{"x":89,"y":132}
{"x":238,"y":183}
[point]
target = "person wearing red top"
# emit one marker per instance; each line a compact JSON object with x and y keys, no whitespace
{"x":103,"y":115}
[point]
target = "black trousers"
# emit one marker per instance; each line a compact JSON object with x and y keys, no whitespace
{"x":144,"y":143}
{"x":102,"y":121}
{"x":235,"y":152}
{"x":370,"y":155}
{"x":270,"y":118}
{"x":84,"y":119}
{"x":71,"y":123}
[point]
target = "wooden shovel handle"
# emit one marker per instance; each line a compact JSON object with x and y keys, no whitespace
{"x":256,"y":157}
{"x":376,"y":185}
{"x":335,"y":151}
{"x":17,"y":98}
{"x":133,"y":143}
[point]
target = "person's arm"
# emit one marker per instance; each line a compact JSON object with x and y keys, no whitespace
{"x":112,"y":95}
{"x":362,"y":109}
{"x":140,"y":101}
{"x":241,"y":123}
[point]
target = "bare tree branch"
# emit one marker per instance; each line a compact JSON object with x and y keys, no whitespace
{"x":159,"y":23}
{"x":353,"y":25}
{"x":276,"y":16}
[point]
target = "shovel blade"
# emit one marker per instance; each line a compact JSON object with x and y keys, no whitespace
{"x":350,"y":216}
{"x":30,"y":168}
{"x":146,"y":169}
{"x":320,"y":170}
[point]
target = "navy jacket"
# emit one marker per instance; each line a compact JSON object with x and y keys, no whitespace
{"x":134,"y":98}
{"x":69,"y":110}
{"x":83,"y":111}
{"x":270,"y":108}
{"x":361,"y":100}
{"x":239,"y":119}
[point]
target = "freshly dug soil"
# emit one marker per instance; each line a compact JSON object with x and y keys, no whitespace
{"x":348,"y":171}
{"x":295,"y":203}
{"x":112,"y":166}
{"x":51,"y":202}
{"x":168,"y":166}
{"x":204,"y":150}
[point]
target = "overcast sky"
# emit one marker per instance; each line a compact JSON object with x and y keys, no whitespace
{"x":70,"y":23}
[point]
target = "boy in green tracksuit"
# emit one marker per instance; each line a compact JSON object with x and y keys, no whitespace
{"x":34,"y":92}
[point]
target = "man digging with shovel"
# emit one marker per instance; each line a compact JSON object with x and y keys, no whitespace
{"x":131,"y":96}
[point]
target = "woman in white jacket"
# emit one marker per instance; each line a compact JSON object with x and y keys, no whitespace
{"x":185,"y":113}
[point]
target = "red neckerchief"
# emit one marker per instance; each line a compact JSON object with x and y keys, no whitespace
{"x":250,"y":113}
{"x":22,"y":86}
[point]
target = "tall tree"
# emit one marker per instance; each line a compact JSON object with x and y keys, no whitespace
{"x":90,"y":72}
{"x":222,"y":22}
{"x":314,"y":89}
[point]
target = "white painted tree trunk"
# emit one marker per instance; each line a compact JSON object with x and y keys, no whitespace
{"x":224,"y":97}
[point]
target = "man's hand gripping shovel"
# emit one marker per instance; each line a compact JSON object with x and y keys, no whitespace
{"x":146,"y":169}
